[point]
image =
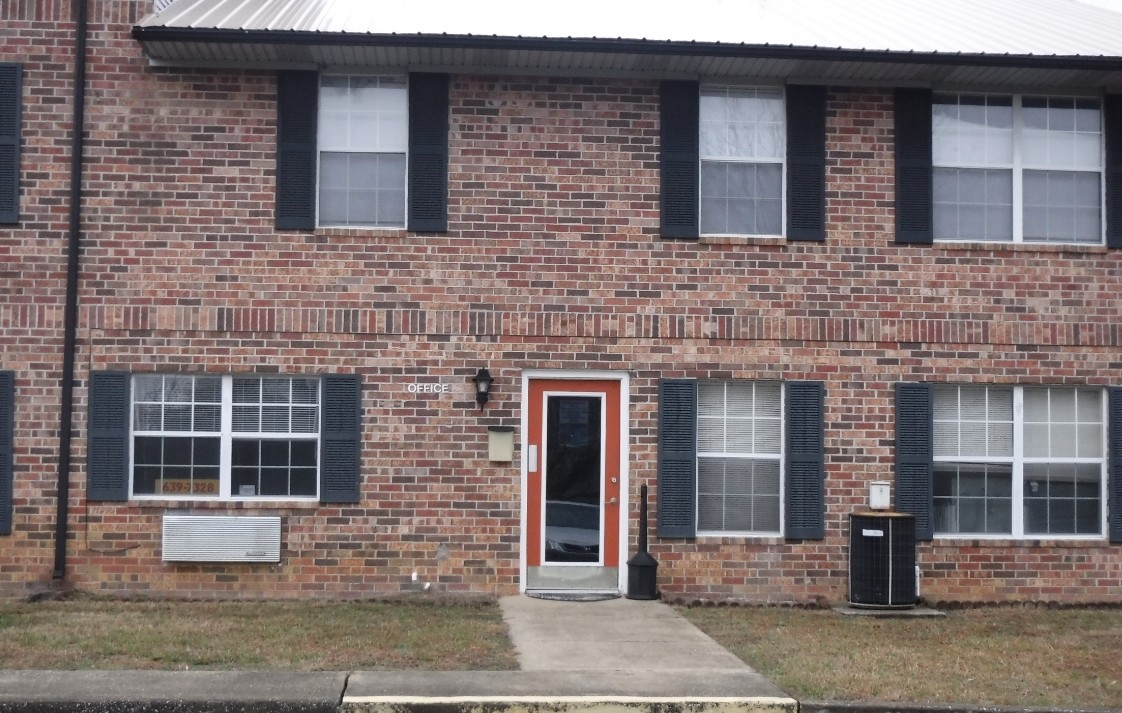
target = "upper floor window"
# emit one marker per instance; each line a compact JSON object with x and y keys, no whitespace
{"x":225,"y":436}
{"x":1020,"y":461}
{"x":1017,"y":168}
{"x":742,"y":149}
{"x":362,"y":144}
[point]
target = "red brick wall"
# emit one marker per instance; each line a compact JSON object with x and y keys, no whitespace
{"x":32,"y":282}
{"x":553,"y":261}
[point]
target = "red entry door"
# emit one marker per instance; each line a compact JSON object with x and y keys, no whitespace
{"x":573,"y":484}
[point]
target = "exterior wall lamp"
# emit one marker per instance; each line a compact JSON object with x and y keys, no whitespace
{"x":482,"y":381}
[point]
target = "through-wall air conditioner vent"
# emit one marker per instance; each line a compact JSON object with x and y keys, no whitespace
{"x":161,"y":5}
{"x":217,"y":538}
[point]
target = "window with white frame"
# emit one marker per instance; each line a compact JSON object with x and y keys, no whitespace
{"x":1019,"y":461}
{"x":739,"y":457}
{"x":742,"y":145}
{"x":1012,"y":168}
{"x":225,"y":436}
{"x":363,"y":144}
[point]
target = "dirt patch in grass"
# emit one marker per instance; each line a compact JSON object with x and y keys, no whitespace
{"x":85,"y":633}
{"x":992,"y":656}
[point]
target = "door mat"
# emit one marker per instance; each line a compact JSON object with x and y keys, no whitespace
{"x":573,"y":596}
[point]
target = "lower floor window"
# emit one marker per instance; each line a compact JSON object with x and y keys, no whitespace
{"x":1019,"y":461}
{"x":225,"y":436}
{"x":739,"y":452}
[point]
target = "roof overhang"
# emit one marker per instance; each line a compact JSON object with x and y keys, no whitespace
{"x":272,"y":49}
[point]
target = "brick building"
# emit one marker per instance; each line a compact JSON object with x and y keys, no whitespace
{"x":753,"y":262}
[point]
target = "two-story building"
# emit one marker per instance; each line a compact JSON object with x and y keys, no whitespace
{"x":328,"y":298}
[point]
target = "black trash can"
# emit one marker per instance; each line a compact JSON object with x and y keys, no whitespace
{"x":642,"y":576}
{"x":882,"y":560}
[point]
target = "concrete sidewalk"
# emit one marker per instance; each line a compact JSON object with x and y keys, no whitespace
{"x":617,"y":656}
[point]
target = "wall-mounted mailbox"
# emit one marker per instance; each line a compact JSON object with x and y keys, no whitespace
{"x":500,"y":443}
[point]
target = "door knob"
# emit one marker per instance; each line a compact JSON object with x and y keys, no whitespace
{"x":613,"y":501}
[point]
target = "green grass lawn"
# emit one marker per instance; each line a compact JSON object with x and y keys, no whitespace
{"x":91,"y":633}
{"x":995,"y":656}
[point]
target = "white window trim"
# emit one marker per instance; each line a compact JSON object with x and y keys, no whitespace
{"x":1018,"y":168}
{"x":226,"y":435}
{"x":781,"y":459}
{"x":1018,"y":461}
{"x":782,"y":162}
{"x":320,"y":152}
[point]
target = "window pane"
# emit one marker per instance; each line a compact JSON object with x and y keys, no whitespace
{"x":365,"y":189}
{"x":208,"y":418}
{"x":148,"y":388}
{"x":302,"y":482}
{"x":972,"y":130}
{"x":1063,"y":499}
{"x":738,"y":495}
{"x":246,"y":452}
{"x":363,"y":114}
{"x":739,"y":198}
{"x":1062,"y":132}
{"x":973,"y":204}
{"x":973,"y":421}
{"x":1063,"y":423}
{"x":739,"y":417}
{"x":742,"y":123}
{"x":277,"y":468}
{"x":247,"y":419}
{"x":1062,"y":206}
{"x":972,"y":498}
{"x":176,"y":466}
{"x":148,"y":417}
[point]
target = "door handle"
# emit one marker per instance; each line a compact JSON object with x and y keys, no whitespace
{"x":613,"y":501}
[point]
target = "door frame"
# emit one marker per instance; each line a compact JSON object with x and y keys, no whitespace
{"x":624,"y":380}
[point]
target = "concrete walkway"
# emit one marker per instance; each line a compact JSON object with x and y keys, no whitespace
{"x":613,"y":655}
{"x":612,"y":635}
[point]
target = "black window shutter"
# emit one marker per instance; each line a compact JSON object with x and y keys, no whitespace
{"x":806,"y":460}
{"x":108,"y":450}
{"x":297,"y":109}
{"x":7,"y":406}
{"x":428,"y":152}
{"x":679,"y":158}
{"x":1114,"y":463}
{"x":913,"y":166}
{"x":915,"y":451}
{"x":339,"y":439}
{"x":10,"y":101}
{"x":806,"y":162}
{"x":677,"y":458}
{"x":1112,"y":125}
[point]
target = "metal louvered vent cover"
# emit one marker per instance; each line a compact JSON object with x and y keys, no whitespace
{"x":211,"y":538}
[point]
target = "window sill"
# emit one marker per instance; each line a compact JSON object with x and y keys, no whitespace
{"x":967,"y":245}
{"x":1007,"y":541}
{"x":742,"y":240}
{"x":171,"y":504}
{"x":735,"y":538}
{"x":350,"y":230}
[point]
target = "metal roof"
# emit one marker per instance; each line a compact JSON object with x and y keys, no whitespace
{"x":1031,"y":42}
